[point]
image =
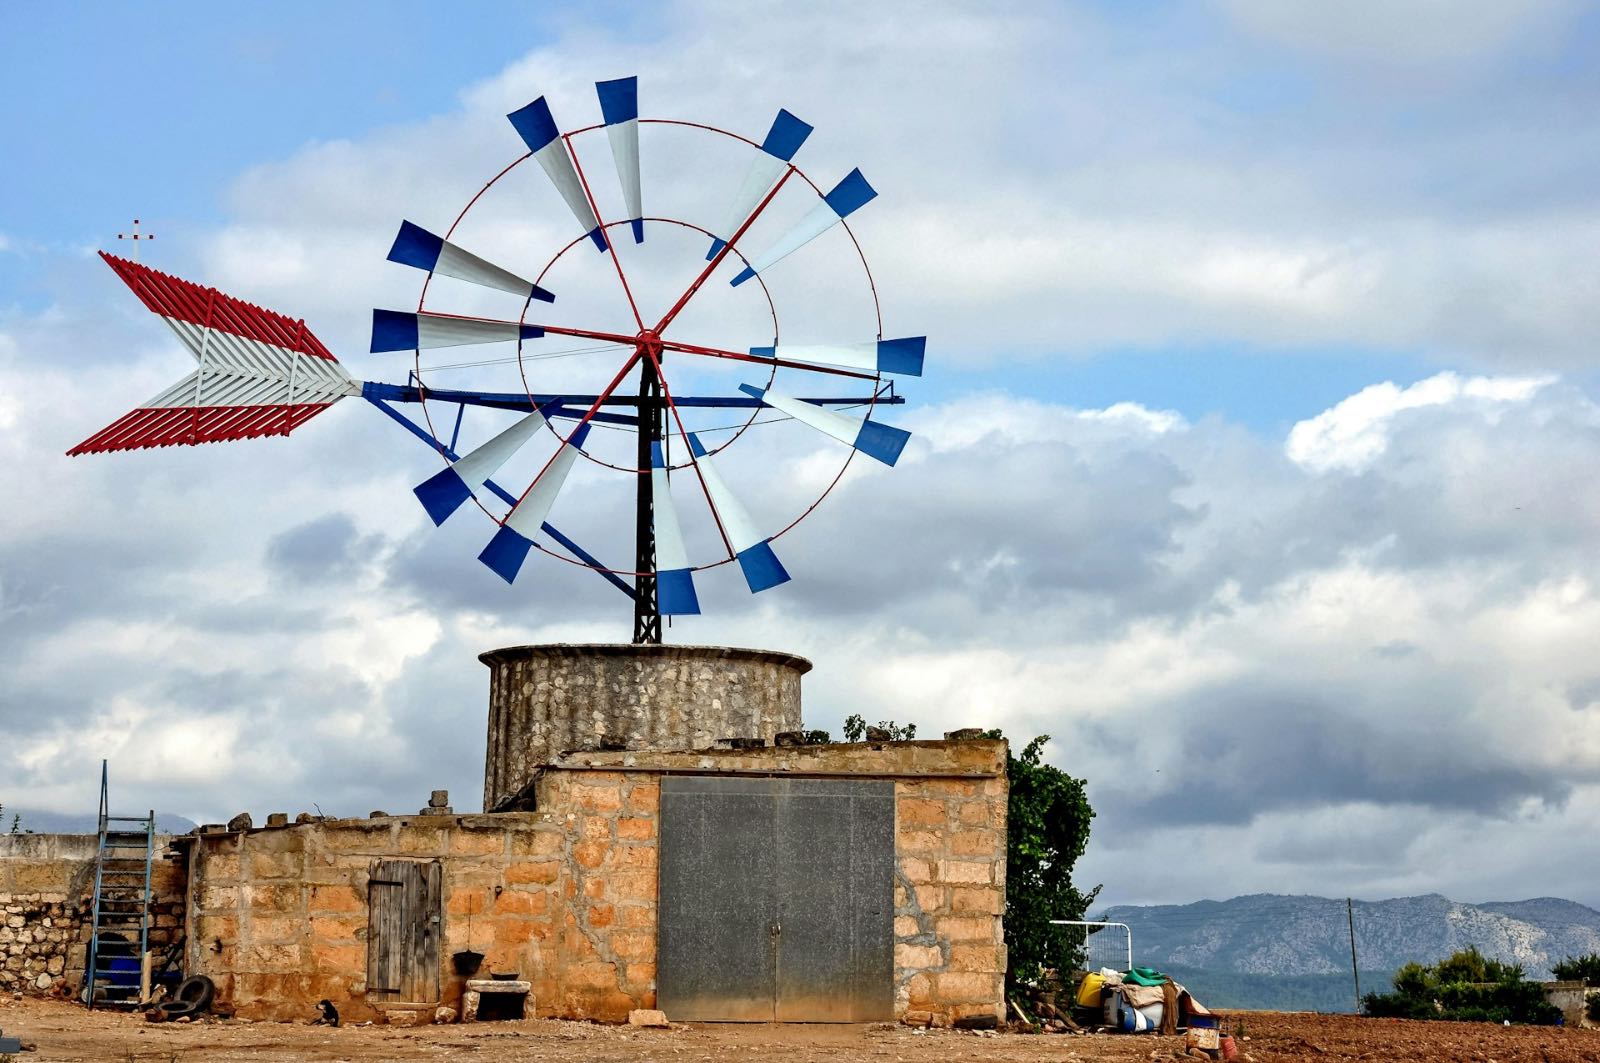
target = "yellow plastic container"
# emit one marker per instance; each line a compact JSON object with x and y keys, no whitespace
{"x":1089,"y":990}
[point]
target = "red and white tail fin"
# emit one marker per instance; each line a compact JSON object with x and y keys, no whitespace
{"x":260,"y":373}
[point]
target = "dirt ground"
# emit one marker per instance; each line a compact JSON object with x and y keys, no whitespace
{"x":68,"y":1032}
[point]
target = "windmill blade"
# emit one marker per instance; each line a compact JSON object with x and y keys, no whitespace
{"x":901,"y":357}
{"x":260,"y":373}
{"x":675,"y":594}
{"x":873,"y":438}
{"x":777,"y":152}
{"x":416,"y":246}
{"x":619,"y":105}
{"x":400,"y":330}
{"x":847,"y":197}
{"x":537,"y":127}
{"x":444,"y":492}
{"x":760,"y":564}
{"x":509,"y":547}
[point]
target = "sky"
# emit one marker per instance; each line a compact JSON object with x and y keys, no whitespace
{"x":1253,"y":462}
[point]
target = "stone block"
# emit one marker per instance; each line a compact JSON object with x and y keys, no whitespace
{"x":592,"y":797}
{"x":642,"y":976}
{"x":467,"y":900}
{"x":930,"y":899}
{"x":919,"y":843}
{"x":917,"y":872}
{"x":265,"y":927}
{"x":337,"y":927}
{"x":985,"y":843}
{"x":477,"y":843}
{"x":542,"y":873}
{"x":920,"y":812}
{"x":359,"y":836}
{"x":638,"y":887}
{"x":595,"y":828}
{"x":276,"y":865}
{"x":404,"y":1017}
{"x":966,"y":871}
{"x":538,"y":843}
{"x":919,"y":990}
{"x":979,"y":959}
{"x":522,"y":902}
{"x":327,"y":959}
{"x":219,"y":898}
{"x":649,"y":1018}
{"x":600,"y":916}
{"x":906,"y":926}
{"x":633,"y":945}
{"x":644,"y":797}
{"x":636,"y":829}
{"x":909,"y":957}
{"x":977,"y":900}
{"x":917,"y":1018}
{"x":965,"y":928}
{"x":270,"y":959}
{"x":422,"y":839}
{"x":964,"y":987}
{"x":590,"y":854}
{"x":272,"y":897}
{"x":636,"y":916}
{"x":335,"y":898}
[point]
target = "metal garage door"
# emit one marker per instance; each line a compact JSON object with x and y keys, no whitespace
{"x":777,"y":900}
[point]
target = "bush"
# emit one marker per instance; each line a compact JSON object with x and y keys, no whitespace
{"x":1466,"y":987}
{"x":1585,"y":969}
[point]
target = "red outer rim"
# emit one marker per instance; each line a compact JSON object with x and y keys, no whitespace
{"x":844,"y":223}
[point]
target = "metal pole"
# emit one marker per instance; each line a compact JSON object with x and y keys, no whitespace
{"x":1355,"y":972}
{"x":646,"y":608}
{"x":1086,"y":923}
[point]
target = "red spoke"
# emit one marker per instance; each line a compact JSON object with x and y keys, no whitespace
{"x":598,"y":402}
{"x":694,"y":462}
{"x":610,"y":245}
{"x":714,"y":352}
{"x":721,"y":254}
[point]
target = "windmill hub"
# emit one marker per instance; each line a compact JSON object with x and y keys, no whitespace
{"x":649,"y":343}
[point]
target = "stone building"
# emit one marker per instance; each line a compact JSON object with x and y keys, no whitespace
{"x":658,"y":848}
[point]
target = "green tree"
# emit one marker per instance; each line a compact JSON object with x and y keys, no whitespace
{"x":855,"y":729}
{"x":1048,"y":817}
{"x":1466,"y":987}
{"x":1585,"y":969}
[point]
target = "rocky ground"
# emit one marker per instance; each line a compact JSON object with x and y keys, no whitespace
{"x":65,"y":1031}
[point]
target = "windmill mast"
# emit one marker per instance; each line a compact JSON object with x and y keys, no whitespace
{"x":646,"y":607}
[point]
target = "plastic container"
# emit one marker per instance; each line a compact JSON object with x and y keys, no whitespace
{"x":1089,"y":990}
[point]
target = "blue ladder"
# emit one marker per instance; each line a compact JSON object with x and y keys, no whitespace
{"x":121,"y":903}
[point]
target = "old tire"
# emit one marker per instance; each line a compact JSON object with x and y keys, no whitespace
{"x":177,"y":1009}
{"x":197,"y":990}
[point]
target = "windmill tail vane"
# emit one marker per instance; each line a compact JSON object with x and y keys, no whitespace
{"x":263,"y":373}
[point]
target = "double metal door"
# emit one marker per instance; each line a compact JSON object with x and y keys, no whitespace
{"x":776,"y":900}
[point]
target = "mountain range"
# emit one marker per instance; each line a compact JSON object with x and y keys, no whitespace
{"x":1269,"y":950}
{"x":40,"y":822}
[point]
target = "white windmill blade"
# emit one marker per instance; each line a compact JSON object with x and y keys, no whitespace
{"x":401,"y":330}
{"x":777,"y":152}
{"x":509,"y":547}
{"x":416,"y":246}
{"x":873,"y":438}
{"x":675,"y":594}
{"x":847,"y":197}
{"x":760,"y":565}
{"x":444,"y":492}
{"x":537,"y":127}
{"x":619,"y":105}
{"x":900,"y":357}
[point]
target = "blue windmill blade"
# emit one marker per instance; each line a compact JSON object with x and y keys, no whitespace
{"x":619,"y":105}
{"x":538,"y":129}
{"x":777,"y":152}
{"x":898,"y":357}
{"x":872,"y":438}
{"x":675,"y":594}
{"x":403,"y":330}
{"x":447,"y":490}
{"x":509,"y":548}
{"x":416,"y":246}
{"x":760,"y":565}
{"x":847,"y":197}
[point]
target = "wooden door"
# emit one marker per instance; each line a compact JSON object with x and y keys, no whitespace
{"x":403,"y":920}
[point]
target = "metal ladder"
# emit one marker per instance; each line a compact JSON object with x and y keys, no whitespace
{"x":121,"y":904}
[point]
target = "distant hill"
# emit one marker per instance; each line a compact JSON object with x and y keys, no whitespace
{"x":81,"y":822}
{"x":1268,"y":950}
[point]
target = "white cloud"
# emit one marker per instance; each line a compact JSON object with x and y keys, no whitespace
{"x":1354,"y":433}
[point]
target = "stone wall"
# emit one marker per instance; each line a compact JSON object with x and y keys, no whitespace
{"x":545,"y":700}
{"x":566,"y":896}
{"x":46,"y":906}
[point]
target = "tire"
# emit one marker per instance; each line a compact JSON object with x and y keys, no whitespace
{"x":177,"y":1009}
{"x":198,"y":990}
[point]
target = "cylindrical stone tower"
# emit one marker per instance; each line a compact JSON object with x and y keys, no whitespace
{"x":545,"y":700}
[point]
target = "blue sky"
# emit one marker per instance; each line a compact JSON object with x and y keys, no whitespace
{"x":1259,"y":418}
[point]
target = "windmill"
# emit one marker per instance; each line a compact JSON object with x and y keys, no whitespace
{"x":261,"y":373}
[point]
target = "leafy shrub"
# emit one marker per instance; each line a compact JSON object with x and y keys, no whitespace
{"x":1585,"y":969}
{"x":1465,"y":987}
